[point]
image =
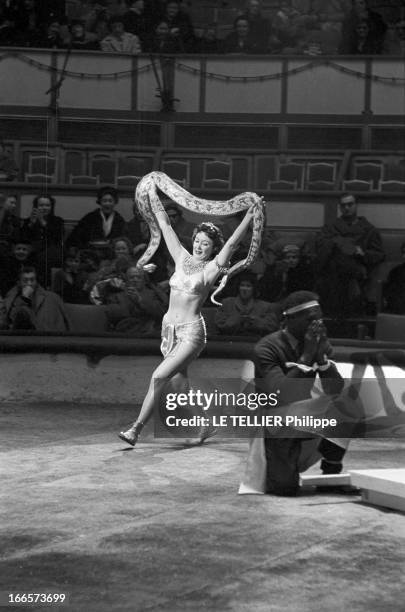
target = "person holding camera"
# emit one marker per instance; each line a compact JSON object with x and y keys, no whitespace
{"x":137,"y":309}
{"x":28,"y":306}
{"x":45,"y":231}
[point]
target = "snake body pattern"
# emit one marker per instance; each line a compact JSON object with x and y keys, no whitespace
{"x":146,"y":196}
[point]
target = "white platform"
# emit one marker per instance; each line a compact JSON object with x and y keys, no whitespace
{"x":381,"y":487}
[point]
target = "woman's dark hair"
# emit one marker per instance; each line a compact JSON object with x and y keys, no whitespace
{"x":48,"y":197}
{"x":107,"y":191}
{"x":212,"y":232}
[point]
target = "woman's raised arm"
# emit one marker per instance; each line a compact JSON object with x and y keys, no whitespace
{"x":170,"y":237}
{"x":233,"y":241}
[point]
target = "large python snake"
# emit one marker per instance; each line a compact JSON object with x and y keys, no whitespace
{"x":146,"y":193}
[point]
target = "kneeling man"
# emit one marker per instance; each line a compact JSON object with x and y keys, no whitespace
{"x":287,"y":363}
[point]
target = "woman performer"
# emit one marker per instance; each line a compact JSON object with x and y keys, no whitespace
{"x":183,"y":327}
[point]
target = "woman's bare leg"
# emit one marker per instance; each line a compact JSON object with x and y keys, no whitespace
{"x":172,"y":366}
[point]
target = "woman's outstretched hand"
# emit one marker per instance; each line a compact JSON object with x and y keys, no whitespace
{"x":251,"y":211}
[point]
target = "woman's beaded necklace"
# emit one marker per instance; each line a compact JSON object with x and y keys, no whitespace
{"x":192,"y":267}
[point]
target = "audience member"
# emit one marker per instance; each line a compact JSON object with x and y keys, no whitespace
{"x":360,"y":14}
{"x":10,"y":223}
{"x":240,"y":40}
{"x":363,"y":42}
{"x":265,"y":276}
{"x":394,"y":288}
{"x":28,"y":24}
{"x":8,"y":167}
{"x":292,"y":273}
{"x":138,"y":20}
{"x":394,"y":42}
{"x":45,"y":231}
{"x":87,"y":12}
{"x":166,"y":27}
{"x":71,"y":281}
{"x":89,"y":265}
{"x":110,"y":278}
{"x":99,"y":227}
{"x":139,"y":308}
{"x":133,"y":228}
{"x":81,"y":39}
{"x":208,"y":41}
{"x":180,"y":25}
{"x":19,"y":256}
{"x":52,"y":39}
{"x":28,"y":306}
{"x":245,"y":314}
{"x":288,"y":28}
{"x":163,"y":41}
{"x":347,"y":252}
{"x":259,"y":26}
{"x":120,"y":41}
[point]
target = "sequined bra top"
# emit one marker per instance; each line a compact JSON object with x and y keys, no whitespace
{"x":193,"y":284}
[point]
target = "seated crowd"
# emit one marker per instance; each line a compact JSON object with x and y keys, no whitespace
{"x":311,"y":27}
{"x":41,"y":270}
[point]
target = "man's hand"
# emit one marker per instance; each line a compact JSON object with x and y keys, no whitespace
{"x":27,"y":292}
{"x":324,"y":346}
{"x":359,"y":251}
{"x":311,"y":341}
{"x":133,"y":293}
{"x":34,"y":216}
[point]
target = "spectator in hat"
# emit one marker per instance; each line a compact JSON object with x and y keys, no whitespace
{"x":98,"y":227}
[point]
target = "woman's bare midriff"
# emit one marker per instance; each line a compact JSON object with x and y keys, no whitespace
{"x":183,"y":307}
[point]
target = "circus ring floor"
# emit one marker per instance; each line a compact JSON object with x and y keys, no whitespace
{"x":161,"y":527}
